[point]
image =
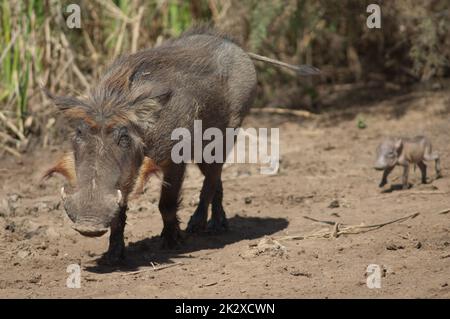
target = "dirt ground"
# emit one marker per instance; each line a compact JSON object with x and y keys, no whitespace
{"x":325,"y":174}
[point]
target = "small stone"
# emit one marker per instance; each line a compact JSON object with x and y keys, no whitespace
{"x":43,"y":208}
{"x":418,"y":245}
{"x":14,"y":198}
{"x":42,"y":246}
{"x":248,"y":200}
{"x":297,"y":273}
{"x":91,"y":279}
{"x":334,"y":204}
{"x":52,"y":233}
{"x":35,"y":279}
{"x":394,"y":247}
{"x":23,"y":254}
{"x":11,"y":227}
{"x":194,"y":202}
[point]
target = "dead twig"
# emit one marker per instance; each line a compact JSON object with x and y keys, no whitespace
{"x":402,"y":219}
{"x":8,"y":47}
{"x":329,"y":222}
{"x":12,"y":127}
{"x":445,"y":211}
{"x":153,"y":268}
{"x":135,"y":33}
{"x":208,"y":284}
{"x":114,"y":11}
{"x":11,"y":150}
{"x":409,"y":193}
{"x":335,"y":232}
{"x":424,"y":193}
{"x":338,"y":229}
{"x":75,"y":68}
{"x":300,"y":113}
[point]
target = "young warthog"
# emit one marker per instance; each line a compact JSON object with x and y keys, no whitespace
{"x":404,"y":152}
{"x":122,"y":131}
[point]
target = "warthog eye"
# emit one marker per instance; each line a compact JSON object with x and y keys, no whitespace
{"x":124,"y":141}
{"x":122,"y":137}
{"x":78,"y":135}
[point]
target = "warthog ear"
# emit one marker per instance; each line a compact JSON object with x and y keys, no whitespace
{"x":399,"y":145}
{"x":148,"y":168}
{"x":143,"y":92}
{"x":146,"y":101}
{"x":64,"y":166}
{"x":72,"y":108}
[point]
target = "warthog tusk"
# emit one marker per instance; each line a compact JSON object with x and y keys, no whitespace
{"x":63,"y":193}
{"x":119,"y":197}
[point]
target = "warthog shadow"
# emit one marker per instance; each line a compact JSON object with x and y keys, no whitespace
{"x":147,"y":251}
{"x":396,"y":187}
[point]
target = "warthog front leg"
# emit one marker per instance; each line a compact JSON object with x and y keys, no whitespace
{"x":168,"y":204}
{"x":386,"y":173}
{"x":423,"y":171}
{"x":116,"y":250}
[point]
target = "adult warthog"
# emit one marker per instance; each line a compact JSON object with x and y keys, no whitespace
{"x":122,"y":131}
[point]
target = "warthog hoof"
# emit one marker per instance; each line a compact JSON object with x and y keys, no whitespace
{"x":216,"y":226}
{"x":197,"y":223}
{"x":171,"y":237}
{"x":112,"y":257}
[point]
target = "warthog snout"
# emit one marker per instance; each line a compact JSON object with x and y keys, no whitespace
{"x":92,"y":213}
{"x":383,"y":162}
{"x":379,"y":166}
{"x":89,"y":230}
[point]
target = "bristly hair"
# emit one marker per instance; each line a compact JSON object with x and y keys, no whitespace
{"x":126,"y":94}
{"x":208,"y":29}
{"x":115,"y":100}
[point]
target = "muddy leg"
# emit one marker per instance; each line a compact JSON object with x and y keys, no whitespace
{"x":212,"y":176}
{"x":169,"y":202}
{"x":116,"y":250}
{"x":218,"y":222}
{"x":423,"y":171}
{"x":405,"y":176}
{"x":386,"y":173}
